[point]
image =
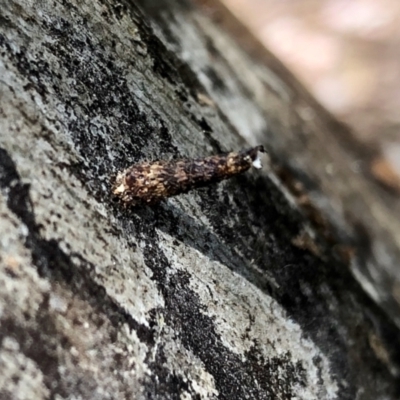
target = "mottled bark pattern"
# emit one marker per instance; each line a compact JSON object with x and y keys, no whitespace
{"x":238,"y":295}
{"x":149,"y":183}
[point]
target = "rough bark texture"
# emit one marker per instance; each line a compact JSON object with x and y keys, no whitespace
{"x":231,"y":292}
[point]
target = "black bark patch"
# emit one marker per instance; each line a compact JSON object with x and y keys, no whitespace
{"x":165,"y":384}
{"x":308,"y":284}
{"x":103,"y":90}
{"x":35,"y":344}
{"x":234,"y":378}
{"x":71,"y":270}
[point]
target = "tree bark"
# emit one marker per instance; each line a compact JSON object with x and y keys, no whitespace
{"x":241,"y":290}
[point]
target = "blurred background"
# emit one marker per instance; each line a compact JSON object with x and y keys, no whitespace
{"x":347,"y":53}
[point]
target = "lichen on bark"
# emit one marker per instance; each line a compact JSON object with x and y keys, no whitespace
{"x":203,"y":296}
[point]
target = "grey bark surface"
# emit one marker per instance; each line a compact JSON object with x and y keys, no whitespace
{"x":230,"y":292}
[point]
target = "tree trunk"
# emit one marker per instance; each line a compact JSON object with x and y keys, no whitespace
{"x":241,"y":290}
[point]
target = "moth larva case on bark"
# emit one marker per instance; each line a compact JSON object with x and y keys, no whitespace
{"x":151,"y":182}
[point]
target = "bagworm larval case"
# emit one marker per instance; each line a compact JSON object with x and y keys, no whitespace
{"x":149,"y":183}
